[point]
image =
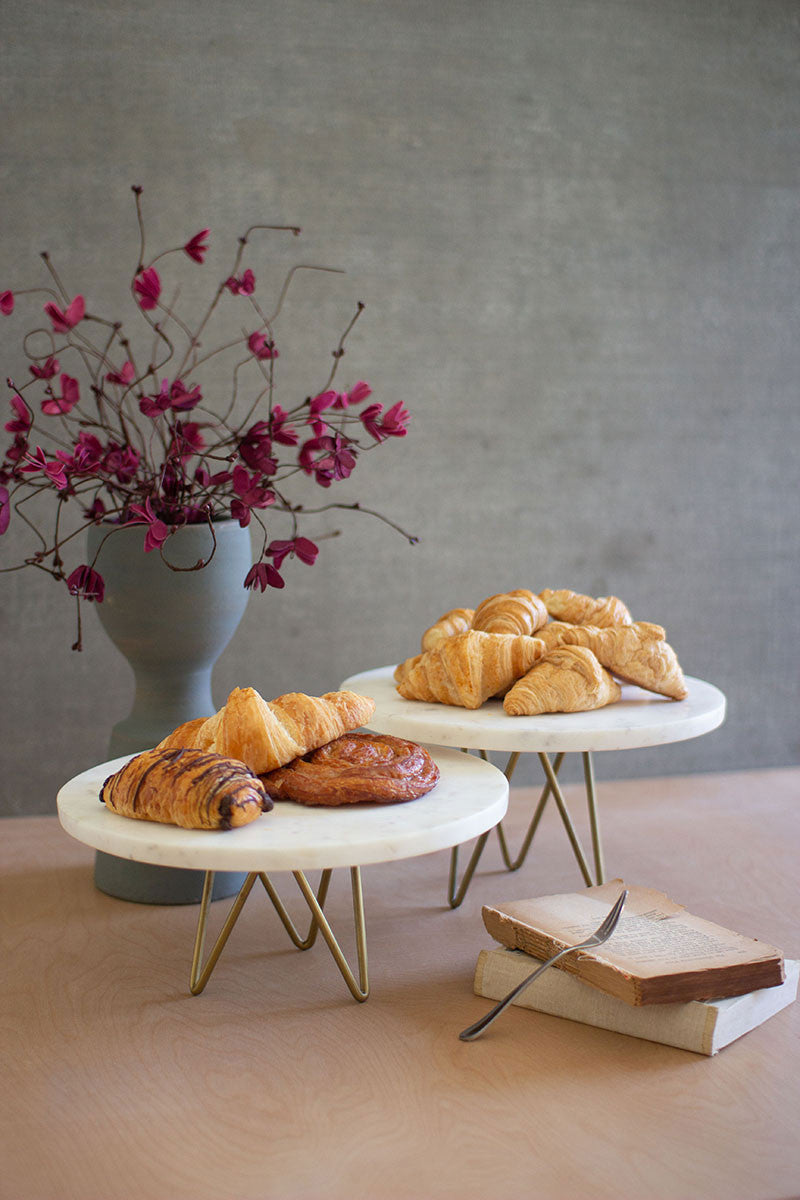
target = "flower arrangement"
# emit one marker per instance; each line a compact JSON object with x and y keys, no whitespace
{"x":137,"y":443}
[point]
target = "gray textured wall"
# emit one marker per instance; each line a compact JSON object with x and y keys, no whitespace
{"x":575,"y":227}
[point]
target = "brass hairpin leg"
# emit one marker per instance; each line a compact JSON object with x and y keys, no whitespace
{"x":594,"y":822}
{"x":515,"y":864}
{"x":454,"y":897}
{"x":199,"y":976}
{"x":359,"y":988}
{"x":577,"y":849}
{"x":308,"y":941}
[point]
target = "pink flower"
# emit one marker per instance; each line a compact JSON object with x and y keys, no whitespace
{"x":154,"y":406}
{"x":187,"y":439}
{"x":337,"y":459}
{"x":157,"y":531}
{"x":393,"y":424}
{"x":302,"y":547}
{"x":53,"y":470}
{"x":307,"y":453}
{"x":172,"y":395}
{"x":147,"y":287}
{"x":250,"y":494}
{"x":281,"y":432}
{"x":181,"y":399}
{"x":206,"y":479}
{"x":359,"y":392}
{"x":255,"y":449}
{"x":263,"y":575}
{"x":5,"y":510}
{"x":261,"y":346}
{"x":242,"y":285}
{"x":70,"y":395}
{"x":24,"y":418}
{"x":47,"y":371}
{"x":88,"y":453}
{"x":124,"y":376}
{"x":121,"y":461}
{"x":6,"y":303}
{"x":197,"y":246}
{"x":96,"y":510}
{"x":63,"y":321}
{"x":321,"y":402}
{"x":87,"y":584}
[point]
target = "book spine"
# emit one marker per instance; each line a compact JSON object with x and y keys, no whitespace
{"x":689,"y":1026}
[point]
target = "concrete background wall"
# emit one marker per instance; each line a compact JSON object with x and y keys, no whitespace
{"x":575,"y":229}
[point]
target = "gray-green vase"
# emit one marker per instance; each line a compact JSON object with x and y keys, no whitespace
{"x":171,"y":626}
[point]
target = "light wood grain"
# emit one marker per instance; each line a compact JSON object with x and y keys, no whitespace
{"x":274,"y":1083}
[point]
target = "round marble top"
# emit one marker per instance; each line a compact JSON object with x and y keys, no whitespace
{"x":638,"y":719}
{"x":470,"y":797}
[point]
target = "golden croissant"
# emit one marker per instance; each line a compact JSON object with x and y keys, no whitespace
{"x":568,"y":679}
{"x":519,"y":611}
{"x":468,"y":668}
{"x":190,"y":788}
{"x":577,"y":609}
{"x":637,"y":653}
{"x":267,"y":735}
{"x":457,"y":620}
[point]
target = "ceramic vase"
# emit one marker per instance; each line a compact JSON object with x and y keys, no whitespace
{"x":171,"y":626}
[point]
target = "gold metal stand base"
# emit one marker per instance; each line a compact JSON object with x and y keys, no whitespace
{"x":456,"y":892}
{"x":359,"y":987}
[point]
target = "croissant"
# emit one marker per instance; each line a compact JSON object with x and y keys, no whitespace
{"x":468,"y":668}
{"x":577,"y":609}
{"x":568,"y":679}
{"x":267,"y":735}
{"x":637,"y":653}
{"x":519,"y":611}
{"x":555,"y":633}
{"x":189,"y":788}
{"x":457,"y":620}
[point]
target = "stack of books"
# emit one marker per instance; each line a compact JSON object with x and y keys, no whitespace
{"x":663,"y":975}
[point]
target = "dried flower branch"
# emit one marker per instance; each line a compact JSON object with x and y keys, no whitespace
{"x":138,"y":444}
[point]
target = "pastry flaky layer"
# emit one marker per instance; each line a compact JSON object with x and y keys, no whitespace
{"x":601,"y":611}
{"x":268,"y":734}
{"x":357,"y":768}
{"x":519,"y":612}
{"x":568,"y":679}
{"x":468,"y":668}
{"x":457,"y":620}
{"x":637,"y":653}
{"x":190,"y":788}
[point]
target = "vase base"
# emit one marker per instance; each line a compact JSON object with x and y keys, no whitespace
{"x":144,"y":883}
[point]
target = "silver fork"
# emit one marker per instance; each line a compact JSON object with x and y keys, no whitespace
{"x":600,"y":935}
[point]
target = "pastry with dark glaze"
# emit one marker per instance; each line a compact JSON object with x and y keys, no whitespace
{"x":191,"y":788}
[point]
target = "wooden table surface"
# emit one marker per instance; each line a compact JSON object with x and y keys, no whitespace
{"x":274,"y":1083}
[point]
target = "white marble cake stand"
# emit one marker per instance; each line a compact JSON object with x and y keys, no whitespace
{"x":469,"y":799}
{"x":638,"y":719}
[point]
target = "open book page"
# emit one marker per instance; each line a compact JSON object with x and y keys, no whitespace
{"x":655,"y":937}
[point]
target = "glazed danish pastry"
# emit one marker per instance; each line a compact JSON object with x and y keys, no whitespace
{"x":358,"y":768}
{"x":190,"y":788}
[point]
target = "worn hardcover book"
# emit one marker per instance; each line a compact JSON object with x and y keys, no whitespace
{"x":703,"y":1026}
{"x":658,"y":954}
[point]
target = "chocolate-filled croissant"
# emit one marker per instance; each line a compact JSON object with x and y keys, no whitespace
{"x":190,"y":788}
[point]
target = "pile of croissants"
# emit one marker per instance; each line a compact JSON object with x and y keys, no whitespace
{"x":558,"y":651}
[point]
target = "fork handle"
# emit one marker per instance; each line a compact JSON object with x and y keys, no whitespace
{"x":473,"y":1031}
